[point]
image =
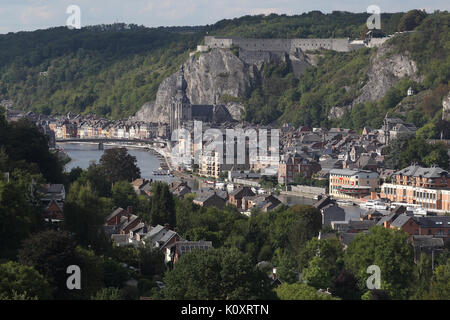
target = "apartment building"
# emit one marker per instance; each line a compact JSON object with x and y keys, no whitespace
{"x":352,"y":183}
{"x":427,"y":187}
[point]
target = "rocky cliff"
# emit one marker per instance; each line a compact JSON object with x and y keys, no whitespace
{"x":209,"y":76}
{"x":385,"y":70}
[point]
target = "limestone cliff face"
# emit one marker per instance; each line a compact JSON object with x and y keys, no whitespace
{"x":209,"y":76}
{"x":446,"y":107}
{"x":385,"y":70}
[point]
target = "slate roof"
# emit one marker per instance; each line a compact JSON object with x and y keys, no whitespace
{"x":361,"y":225}
{"x":434,"y":221}
{"x":242,"y":192}
{"x":401,"y":220}
{"x":418,"y":171}
{"x":427,"y":241}
{"x":202,"y":197}
{"x":114,"y":213}
{"x":202,"y":110}
{"x":160,"y":235}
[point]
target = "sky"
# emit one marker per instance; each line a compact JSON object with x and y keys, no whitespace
{"x":27,"y":15}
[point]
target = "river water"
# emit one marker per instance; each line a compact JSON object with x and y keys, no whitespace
{"x":83,"y":154}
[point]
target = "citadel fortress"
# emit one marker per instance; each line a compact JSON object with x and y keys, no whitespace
{"x":256,"y":51}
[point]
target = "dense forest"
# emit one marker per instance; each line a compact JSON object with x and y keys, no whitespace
{"x":112,"y":70}
{"x":108,"y":71}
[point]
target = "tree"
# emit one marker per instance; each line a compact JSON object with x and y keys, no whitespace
{"x":124,"y":195}
{"x":114,"y":273}
{"x":84,"y":215}
{"x":92,"y":274}
{"x":22,"y":282}
{"x":346,"y":287}
{"x":375,"y":294}
{"x":306,"y":224}
{"x":329,"y":249}
{"x":405,"y":150}
{"x":163,"y":205}
{"x":411,"y":20}
{"x":17,"y":218}
{"x":216,"y":274}
{"x":24,"y":142}
{"x":389,"y":250}
{"x":50,"y":253}
{"x":301,"y":291}
{"x":151,"y":261}
{"x":318,"y":273}
{"x":440,"y":285}
{"x":321,"y":261}
{"x":98,"y":179}
{"x":118,"y":165}
{"x":107,"y":294}
{"x":286,"y":266}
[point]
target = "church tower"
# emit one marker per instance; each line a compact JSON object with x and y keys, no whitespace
{"x":181,"y":109}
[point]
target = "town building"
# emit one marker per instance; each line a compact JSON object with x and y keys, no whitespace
{"x":293,"y":164}
{"x":394,"y":128}
{"x":436,"y":226}
{"x":427,"y":187}
{"x":352,"y":183}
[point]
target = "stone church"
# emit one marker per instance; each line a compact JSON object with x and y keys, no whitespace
{"x":183,"y":113}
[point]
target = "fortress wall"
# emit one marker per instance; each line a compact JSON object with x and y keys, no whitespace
{"x":217,"y":42}
{"x":263,"y":44}
{"x":279,"y":45}
{"x":341,"y":45}
{"x":312,"y":44}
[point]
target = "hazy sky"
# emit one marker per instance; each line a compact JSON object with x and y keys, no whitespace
{"x":24,"y":15}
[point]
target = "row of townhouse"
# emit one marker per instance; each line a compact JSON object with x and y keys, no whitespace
{"x":427,"y":187}
{"x":105,"y":129}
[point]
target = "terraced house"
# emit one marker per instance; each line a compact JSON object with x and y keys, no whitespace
{"x":427,"y":187}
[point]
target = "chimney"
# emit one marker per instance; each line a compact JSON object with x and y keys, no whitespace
{"x":166,"y":226}
{"x":129,"y":210}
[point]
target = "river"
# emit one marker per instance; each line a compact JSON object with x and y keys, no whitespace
{"x":82,"y":154}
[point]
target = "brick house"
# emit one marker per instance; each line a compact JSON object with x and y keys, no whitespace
{"x":237,"y":195}
{"x":436,"y":226}
{"x":294,"y":164}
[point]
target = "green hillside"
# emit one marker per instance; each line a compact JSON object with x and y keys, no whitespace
{"x":339,"y":77}
{"x":112,"y":70}
{"x":108,"y":70}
